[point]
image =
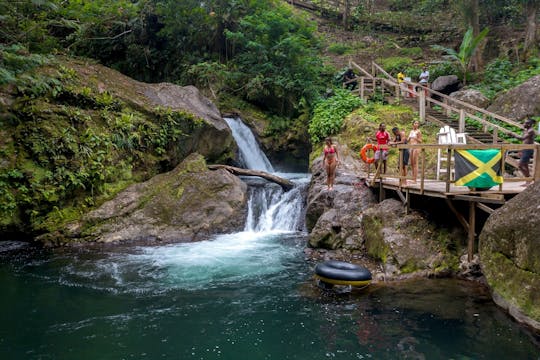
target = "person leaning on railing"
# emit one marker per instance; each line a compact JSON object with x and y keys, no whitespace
{"x":526,"y":154}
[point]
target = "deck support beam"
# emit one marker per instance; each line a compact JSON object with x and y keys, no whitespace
{"x":460,"y":217}
{"x":472,"y":235}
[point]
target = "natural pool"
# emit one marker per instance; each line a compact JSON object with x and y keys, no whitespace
{"x":240,"y":296}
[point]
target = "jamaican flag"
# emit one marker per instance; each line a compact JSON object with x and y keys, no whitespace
{"x":478,"y":168}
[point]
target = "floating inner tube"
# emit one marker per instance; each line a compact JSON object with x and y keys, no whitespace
{"x":342,"y":273}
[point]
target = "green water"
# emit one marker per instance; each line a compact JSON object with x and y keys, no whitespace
{"x":241,"y":296}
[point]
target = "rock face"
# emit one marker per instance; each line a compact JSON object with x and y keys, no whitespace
{"x":471,"y":96}
{"x":519,"y":102}
{"x":406,"y":243}
{"x":446,"y":84}
{"x":334,"y":217}
{"x":510,"y":255}
{"x":213,"y":140}
{"x":186,"y":204}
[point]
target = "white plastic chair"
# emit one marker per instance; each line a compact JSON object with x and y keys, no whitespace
{"x":447,"y":135}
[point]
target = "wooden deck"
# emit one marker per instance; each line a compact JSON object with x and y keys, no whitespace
{"x":435,"y":188}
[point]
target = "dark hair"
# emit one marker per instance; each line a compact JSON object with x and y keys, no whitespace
{"x":394,"y":129}
{"x":328,"y":140}
{"x":531,"y":121}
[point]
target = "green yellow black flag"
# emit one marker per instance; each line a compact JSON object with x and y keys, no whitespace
{"x":478,"y":168}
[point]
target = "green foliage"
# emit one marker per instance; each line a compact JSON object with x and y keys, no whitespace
{"x":395,"y":64}
{"x":70,"y":157}
{"x":501,"y":75}
{"x":442,"y":69}
{"x":328,"y":114}
{"x":414,"y":52}
{"x":466,"y":50}
{"x":339,"y":49}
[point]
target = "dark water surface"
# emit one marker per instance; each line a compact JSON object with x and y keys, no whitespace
{"x":240,"y":296}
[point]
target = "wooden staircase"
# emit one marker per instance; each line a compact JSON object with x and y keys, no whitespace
{"x":437,"y":107}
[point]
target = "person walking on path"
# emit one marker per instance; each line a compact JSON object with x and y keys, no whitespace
{"x":401,"y":138}
{"x":415,"y":137}
{"x":330,"y":162}
{"x":526,"y":155}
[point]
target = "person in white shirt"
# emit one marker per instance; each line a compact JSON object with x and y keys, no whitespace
{"x":424,"y":76}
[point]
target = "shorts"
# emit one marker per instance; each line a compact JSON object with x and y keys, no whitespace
{"x":406,"y":154}
{"x":378,"y":154}
{"x":526,"y":155}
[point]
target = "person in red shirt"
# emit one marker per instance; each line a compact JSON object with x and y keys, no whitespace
{"x":383,"y":138}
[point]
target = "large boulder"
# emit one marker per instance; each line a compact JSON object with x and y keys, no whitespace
{"x":520,"y":102}
{"x":186,"y":204}
{"x":446,"y":84}
{"x":213,"y":138}
{"x":334,"y":217}
{"x":471,"y":96}
{"x":407,"y":243}
{"x":509,"y":250}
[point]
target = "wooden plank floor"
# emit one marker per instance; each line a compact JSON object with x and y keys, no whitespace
{"x":435,"y":188}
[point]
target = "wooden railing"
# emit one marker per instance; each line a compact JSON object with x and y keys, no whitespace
{"x":428,"y":97}
{"x":374,"y":172}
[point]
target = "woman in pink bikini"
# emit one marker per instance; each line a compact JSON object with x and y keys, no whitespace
{"x":330,"y":161}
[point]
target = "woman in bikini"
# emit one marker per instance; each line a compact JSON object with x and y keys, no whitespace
{"x":330,"y":161}
{"x":415,"y":137}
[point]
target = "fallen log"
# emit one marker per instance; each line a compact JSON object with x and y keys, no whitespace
{"x":284,"y":183}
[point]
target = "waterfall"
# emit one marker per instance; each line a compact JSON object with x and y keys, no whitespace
{"x":269,"y":207}
{"x":251,"y":155}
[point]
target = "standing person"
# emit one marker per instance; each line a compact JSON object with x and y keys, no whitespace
{"x":348,"y":78}
{"x":401,"y":138}
{"x":424,"y":76}
{"x":528,"y":138}
{"x":330,"y":161}
{"x":383,"y":138}
{"x":415,"y":137}
{"x":402,"y":84}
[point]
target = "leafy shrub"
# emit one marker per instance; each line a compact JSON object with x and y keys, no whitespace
{"x":328,"y":114}
{"x":414,"y":52}
{"x":339,"y":49}
{"x":395,"y":64}
{"x":443,"y":69}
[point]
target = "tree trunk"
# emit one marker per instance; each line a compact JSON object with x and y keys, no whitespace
{"x":531,"y":11}
{"x":474,"y":21}
{"x":346,"y":10}
{"x":284,"y":183}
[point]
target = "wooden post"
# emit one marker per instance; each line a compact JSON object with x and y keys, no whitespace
{"x":423,"y":175}
{"x":448,"y":169}
{"x":446,"y":109}
{"x":495,"y":136}
{"x":472,"y":226}
{"x":536,"y":164}
{"x":461,"y":126}
{"x":362,"y":88}
{"x":398,"y":92}
{"x":422,"y":105}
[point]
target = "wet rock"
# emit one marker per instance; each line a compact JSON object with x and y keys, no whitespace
{"x":334,"y":217}
{"x":187,"y":204}
{"x":406,"y":243}
{"x":509,"y":250}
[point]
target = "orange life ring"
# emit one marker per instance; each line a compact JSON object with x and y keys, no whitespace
{"x":363,"y":153}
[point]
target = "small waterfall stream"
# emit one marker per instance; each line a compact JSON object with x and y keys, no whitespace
{"x":269,"y":207}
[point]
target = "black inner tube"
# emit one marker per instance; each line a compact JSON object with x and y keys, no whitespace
{"x":340,"y":270}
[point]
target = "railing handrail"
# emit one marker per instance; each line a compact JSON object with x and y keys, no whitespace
{"x":450,"y":99}
{"x":365,"y":72}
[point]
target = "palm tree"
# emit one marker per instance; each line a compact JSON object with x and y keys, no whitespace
{"x":466,"y":50}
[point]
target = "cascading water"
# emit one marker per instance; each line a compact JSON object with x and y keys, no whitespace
{"x":269,"y":207}
{"x":251,"y":155}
